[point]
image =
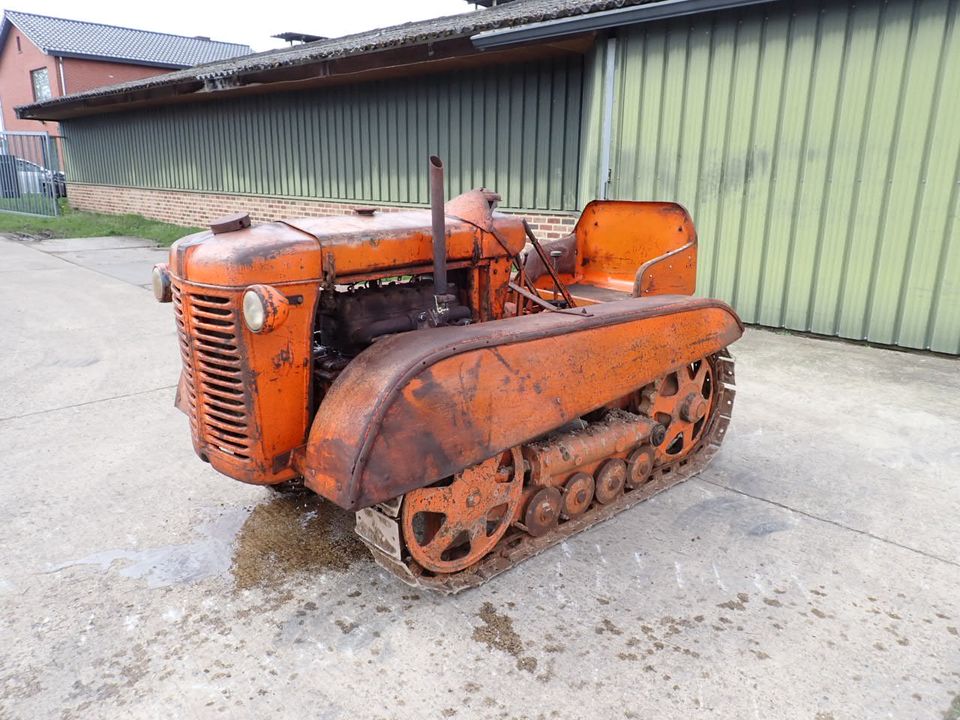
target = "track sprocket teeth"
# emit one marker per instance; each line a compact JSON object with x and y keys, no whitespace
{"x":648,"y":396}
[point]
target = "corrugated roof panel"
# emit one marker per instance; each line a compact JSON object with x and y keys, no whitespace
{"x":405,"y":35}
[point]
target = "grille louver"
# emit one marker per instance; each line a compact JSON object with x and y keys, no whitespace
{"x":208,"y":329}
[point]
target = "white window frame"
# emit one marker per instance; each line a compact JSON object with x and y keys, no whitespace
{"x":34,"y":75}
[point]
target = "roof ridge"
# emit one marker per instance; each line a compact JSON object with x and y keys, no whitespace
{"x":123,"y":27}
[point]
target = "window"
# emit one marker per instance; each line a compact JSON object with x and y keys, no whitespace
{"x":19,"y":49}
{"x":41,"y":84}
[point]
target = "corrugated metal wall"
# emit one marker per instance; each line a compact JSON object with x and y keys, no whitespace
{"x":516,"y":131}
{"x":817,"y":146}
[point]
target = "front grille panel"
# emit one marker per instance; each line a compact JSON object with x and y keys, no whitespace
{"x":208,"y":326}
{"x":186,"y":355}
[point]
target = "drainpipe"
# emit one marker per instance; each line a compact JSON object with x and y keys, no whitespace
{"x":606,"y":127}
{"x":63,"y":81}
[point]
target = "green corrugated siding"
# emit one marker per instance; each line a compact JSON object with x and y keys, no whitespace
{"x":516,"y":130}
{"x":817,"y":147}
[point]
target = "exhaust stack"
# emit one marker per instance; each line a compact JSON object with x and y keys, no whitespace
{"x":439,"y":230}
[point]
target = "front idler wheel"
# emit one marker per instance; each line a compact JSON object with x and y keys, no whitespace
{"x":450,"y":526}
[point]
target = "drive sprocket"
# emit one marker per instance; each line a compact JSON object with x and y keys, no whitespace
{"x":682,"y":401}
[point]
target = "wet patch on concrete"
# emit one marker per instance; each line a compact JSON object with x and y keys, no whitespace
{"x":497,"y":633}
{"x":288,"y":534}
{"x":285,"y":535}
{"x":768,"y":528}
{"x":207,"y":556}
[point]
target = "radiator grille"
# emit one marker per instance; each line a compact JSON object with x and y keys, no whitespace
{"x":208,"y":329}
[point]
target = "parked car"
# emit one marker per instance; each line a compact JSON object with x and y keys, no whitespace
{"x":36,"y":179}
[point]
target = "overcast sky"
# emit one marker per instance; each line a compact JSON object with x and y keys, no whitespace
{"x":251,"y":23}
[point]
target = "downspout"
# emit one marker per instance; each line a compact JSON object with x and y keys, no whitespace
{"x":63,"y":81}
{"x":606,"y":127}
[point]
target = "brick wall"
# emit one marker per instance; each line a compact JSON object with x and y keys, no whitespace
{"x":197,"y":209}
{"x":17,"y":58}
{"x":81,"y":74}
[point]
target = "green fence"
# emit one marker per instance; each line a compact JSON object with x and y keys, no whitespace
{"x":817,"y":146}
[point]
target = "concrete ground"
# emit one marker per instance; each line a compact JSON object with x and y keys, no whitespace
{"x":813,"y":571}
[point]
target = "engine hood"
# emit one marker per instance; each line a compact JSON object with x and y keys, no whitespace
{"x":349,"y":247}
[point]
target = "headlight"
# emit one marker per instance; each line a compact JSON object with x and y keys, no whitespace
{"x":254,"y":312}
{"x":264,"y":308}
{"x":161,"y":283}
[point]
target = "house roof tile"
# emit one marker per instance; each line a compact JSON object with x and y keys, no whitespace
{"x":74,"y":38}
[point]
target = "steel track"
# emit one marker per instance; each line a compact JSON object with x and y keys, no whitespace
{"x":379,"y":526}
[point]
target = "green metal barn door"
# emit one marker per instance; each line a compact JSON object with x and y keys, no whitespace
{"x":817,"y":147}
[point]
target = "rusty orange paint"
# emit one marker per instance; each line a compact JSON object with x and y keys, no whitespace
{"x":418,"y":406}
{"x":269,"y":373}
{"x":480,"y":504}
{"x":635,"y":248}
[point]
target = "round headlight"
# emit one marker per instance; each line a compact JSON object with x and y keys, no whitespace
{"x":160,"y":280}
{"x":254,"y":311}
{"x":264,"y":308}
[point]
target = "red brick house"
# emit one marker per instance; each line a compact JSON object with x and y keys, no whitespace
{"x":44,"y":57}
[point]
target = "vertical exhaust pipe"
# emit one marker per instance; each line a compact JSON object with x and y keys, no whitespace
{"x":439,"y":227}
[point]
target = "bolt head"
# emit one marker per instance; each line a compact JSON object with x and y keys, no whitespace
{"x":658,"y":434}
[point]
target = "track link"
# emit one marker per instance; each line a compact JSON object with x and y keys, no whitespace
{"x":379,"y":526}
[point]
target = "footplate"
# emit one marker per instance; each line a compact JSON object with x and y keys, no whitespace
{"x":379,"y":526}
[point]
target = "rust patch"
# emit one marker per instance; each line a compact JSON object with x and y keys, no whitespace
{"x":497,"y":633}
{"x":606,"y":626}
{"x":738,"y":604}
{"x":284,"y":357}
{"x":347,"y":627}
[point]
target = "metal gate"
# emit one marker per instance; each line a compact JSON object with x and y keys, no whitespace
{"x":31,"y":177}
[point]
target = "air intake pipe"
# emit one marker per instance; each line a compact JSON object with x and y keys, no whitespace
{"x":439,"y":231}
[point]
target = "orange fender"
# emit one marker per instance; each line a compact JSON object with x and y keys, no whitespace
{"x":417,"y":407}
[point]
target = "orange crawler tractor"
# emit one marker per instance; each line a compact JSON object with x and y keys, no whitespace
{"x":473,"y":395}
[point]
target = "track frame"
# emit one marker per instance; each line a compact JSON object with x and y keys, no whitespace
{"x":380,"y":530}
